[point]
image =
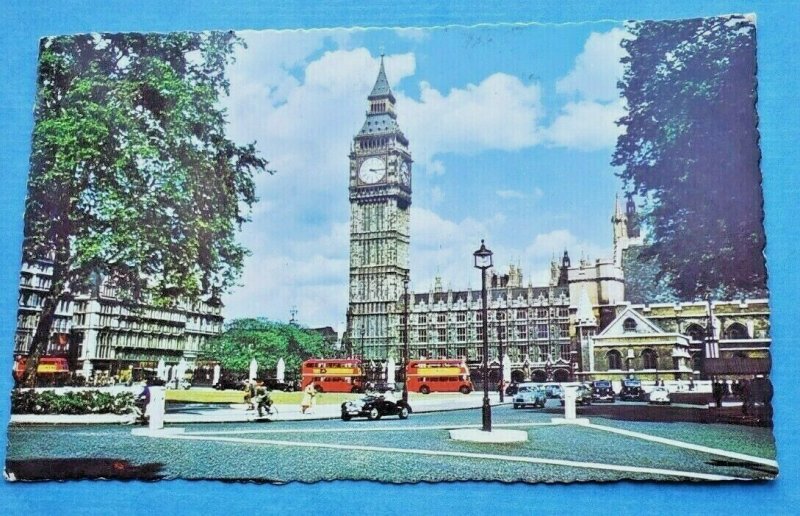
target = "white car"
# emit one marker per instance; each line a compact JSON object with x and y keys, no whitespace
{"x":660,"y":396}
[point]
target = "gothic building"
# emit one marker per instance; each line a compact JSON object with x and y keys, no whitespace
{"x":581,"y":325}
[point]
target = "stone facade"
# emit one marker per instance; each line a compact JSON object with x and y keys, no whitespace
{"x":98,"y":332}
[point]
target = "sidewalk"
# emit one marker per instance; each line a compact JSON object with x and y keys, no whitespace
{"x":237,"y":413}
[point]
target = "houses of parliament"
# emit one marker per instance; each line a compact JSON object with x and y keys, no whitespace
{"x":578,"y":325}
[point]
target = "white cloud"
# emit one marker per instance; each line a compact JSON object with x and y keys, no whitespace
{"x":597,"y":68}
{"x":587,"y":125}
{"x":510,"y":194}
{"x":589,"y":121}
{"x":414,"y":33}
{"x":498,"y":113}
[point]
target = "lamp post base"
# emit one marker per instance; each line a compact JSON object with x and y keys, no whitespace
{"x":487,"y":415}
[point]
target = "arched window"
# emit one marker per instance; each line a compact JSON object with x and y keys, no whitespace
{"x":649,"y":359}
{"x":614,"y":359}
{"x":695,"y":332}
{"x":629,"y":324}
{"x":736,"y":331}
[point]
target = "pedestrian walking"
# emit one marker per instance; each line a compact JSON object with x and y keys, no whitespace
{"x":717,"y":390}
{"x":309,"y":393}
{"x":249,"y":394}
{"x":746,"y":391}
{"x":691,"y":384}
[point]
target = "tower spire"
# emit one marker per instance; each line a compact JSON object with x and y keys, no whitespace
{"x":381,"y":88}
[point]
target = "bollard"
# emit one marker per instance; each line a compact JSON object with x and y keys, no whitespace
{"x":570,"y":396}
{"x":156,"y":408}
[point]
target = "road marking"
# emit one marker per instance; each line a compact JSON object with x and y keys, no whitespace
{"x":353,"y":429}
{"x":468,"y":455}
{"x":685,"y":445}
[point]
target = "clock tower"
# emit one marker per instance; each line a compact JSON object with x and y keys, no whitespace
{"x":380,"y":197}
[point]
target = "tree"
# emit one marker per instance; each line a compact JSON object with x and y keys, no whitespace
{"x":690,"y":150}
{"x":132,"y":178}
{"x":266,"y":341}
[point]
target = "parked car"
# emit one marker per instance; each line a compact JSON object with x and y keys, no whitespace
{"x":512,"y":388}
{"x":227,"y":382}
{"x":602,"y":390}
{"x":583,"y":394}
{"x":529,"y":395}
{"x":374,"y":407}
{"x":553,"y":390}
{"x":632,"y":390}
{"x":274,"y":384}
{"x":660,"y":396}
{"x":380,"y":387}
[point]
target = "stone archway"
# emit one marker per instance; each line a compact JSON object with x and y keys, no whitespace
{"x":539,"y":375}
{"x":561,"y":375}
{"x":517,"y":376}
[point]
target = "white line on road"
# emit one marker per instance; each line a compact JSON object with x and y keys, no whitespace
{"x":468,"y":455}
{"x":685,"y":445}
{"x":351,"y":429}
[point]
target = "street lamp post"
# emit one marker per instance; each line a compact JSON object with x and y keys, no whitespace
{"x":363,"y":363}
{"x":500,"y":350}
{"x":483,"y":261}
{"x":405,"y":341}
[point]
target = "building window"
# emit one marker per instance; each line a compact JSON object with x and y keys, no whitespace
{"x":696,"y":332}
{"x":422,"y":318}
{"x":522,"y":332}
{"x":541,"y":313}
{"x":478,"y":316}
{"x":441,"y":318}
{"x":541,"y":331}
{"x":649,"y":359}
{"x":629,"y":324}
{"x":563,"y":311}
{"x":521,"y":314}
{"x":500,"y":316}
{"x":442,"y":335}
{"x":480,"y":333}
{"x":461,"y":334}
{"x":461,"y":317}
{"x":422,"y":335}
{"x":736,"y":331}
{"x":614,"y":360}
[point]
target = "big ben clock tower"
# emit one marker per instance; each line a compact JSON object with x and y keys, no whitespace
{"x":380,"y":197}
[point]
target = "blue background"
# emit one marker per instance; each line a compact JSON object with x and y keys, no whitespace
{"x":778,"y":109}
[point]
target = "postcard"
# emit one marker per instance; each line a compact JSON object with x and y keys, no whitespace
{"x":509,"y":252}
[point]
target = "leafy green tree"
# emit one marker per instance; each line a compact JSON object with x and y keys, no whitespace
{"x":267,"y":342}
{"x":690,"y":150}
{"x":132,"y":177}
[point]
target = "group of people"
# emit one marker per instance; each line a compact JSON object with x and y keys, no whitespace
{"x":257,"y":397}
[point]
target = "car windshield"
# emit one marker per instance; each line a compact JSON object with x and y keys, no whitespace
{"x":526,"y":389}
{"x":602,"y":384}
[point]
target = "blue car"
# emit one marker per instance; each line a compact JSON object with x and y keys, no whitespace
{"x":529,"y":396}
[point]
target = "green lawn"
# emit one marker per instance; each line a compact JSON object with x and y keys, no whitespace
{"x":282,"y":398}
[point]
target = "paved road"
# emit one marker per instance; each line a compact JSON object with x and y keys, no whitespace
{"x":417,"y":449}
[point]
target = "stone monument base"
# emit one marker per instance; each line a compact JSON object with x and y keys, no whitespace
{"x":496,"y":436}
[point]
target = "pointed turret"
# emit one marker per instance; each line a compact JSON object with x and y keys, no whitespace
{"x":381,"y":90}
{"x":381,"y":116}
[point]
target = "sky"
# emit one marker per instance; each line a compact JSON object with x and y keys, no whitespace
{"x":511,"y":129}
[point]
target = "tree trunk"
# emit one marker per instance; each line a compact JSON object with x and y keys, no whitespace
{"x":41,"y":338}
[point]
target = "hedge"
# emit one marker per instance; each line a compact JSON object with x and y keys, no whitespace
{"x":28,"y":401}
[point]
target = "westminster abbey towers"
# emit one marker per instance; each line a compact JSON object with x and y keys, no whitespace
{"x":380,"y":198}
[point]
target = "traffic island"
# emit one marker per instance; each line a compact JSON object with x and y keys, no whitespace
{"x":156,"y":432}
{"x":496,"y":436}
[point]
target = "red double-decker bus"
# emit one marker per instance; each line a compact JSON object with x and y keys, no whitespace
{"x":428,"y":376}
{"x":333,"y":374}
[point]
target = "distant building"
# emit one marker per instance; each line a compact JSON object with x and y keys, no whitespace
{"x":98,"y":332}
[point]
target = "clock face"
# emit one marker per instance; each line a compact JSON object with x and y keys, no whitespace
{"x":405,"y":174}
{"x":372,"y":170}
